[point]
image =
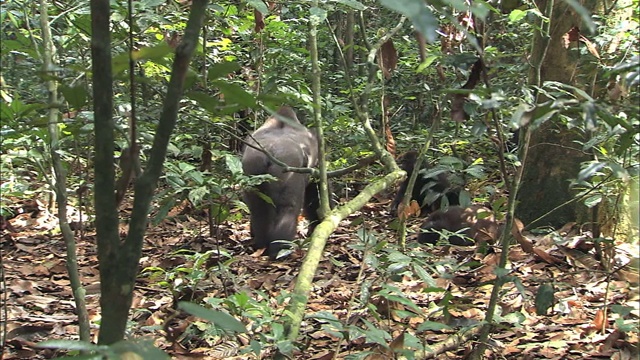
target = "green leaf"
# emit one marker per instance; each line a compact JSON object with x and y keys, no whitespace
{"x":514,"y":318}
{"x":196,"y":195}
{"x":318,"y":15}
{"x":424,"y":275}
{"x":156,"y":52}
{"x":76,"y":96}
{"x":68,"y":345}
{"x":517,"y":15}
{"x":234,"y":94}
{"x":593,"y":200}
{"x":206,"y":101}
{"x":544,"y":298}
{"x":376,"y":335}
{"x":220,"y":70}
{"x":259,"y":5}
{"x":164,"y":210}
{"x":621,"y":309}
{"x":234,"y":164}
{"x":285,"y":346}
{"x":592,"y":169}
{"x":433,"y":326}
{"x":141,"y":347}
{"x":584,"y":14}
{"x":427,"y":62}
{"x":220,"y":319}
{"x":626,"y":326}
{"x":152,"y":3}
{"x":197,"y":176}
{"x":419,"y":14}
{"x":185,"y":167}
{"x":352,"y":4}
{"x":325,"y":316}
{"x":256,"y":348}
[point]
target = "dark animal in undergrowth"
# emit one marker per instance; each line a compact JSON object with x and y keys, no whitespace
{"x":432,"y":192}
{"x":472,"y":225}
{"x":296,"y":146}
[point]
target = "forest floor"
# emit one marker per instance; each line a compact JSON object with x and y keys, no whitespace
{"x":594,"y":314}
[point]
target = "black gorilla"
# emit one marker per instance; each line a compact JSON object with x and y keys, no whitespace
{"x":478,"y":222}
{"x":427,"y":191}
{"x":295,"y":146}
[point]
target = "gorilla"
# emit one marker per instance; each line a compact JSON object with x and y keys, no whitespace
{"x":429,"y":192}
{"x":293,"y":144}
{"x":478,"y":223}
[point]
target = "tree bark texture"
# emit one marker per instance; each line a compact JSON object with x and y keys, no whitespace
{"x":554,"y":158}
{"x":119,"y":259}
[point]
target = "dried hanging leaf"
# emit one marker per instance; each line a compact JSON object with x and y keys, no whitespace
{"x":387,"y":58}
{"x":574,"y":35}
{"x":259,"y":20}
{"x":391,"y":142}
{"x":590,"y":46}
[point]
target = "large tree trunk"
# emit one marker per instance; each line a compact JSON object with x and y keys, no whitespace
{"x":553,"y":157}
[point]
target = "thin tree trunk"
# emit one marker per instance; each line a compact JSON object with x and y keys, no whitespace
{"x":59,"y":182}
{"x":119,"y":260}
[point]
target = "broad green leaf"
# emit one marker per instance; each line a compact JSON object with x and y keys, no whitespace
{"x":196,"y":195}
{"x":220,"y":319}
{"x":544,"y":298}
{"x":234,"y":94}
{"x":376,"y":335}
{"x":153,"y":52}
{"x":419,"y":14}
{"x":427,"y":62}
{"x":220,"y":70}
{"x":206,"y":101}
{"x":318,"y":15}
{"x":233,"y":163}
{"x":68,"y":345}
{"x":259,"y":5}
{"x":424,"y":275}
{"x":76,"y":96}
{"x":256,"y":348}
{"x":143,"y":348}
{"x":517,"y":15}
{"x":430,"y":326}
{"x":352,"y":4}
{"x":619,"y":171}
{"x":584,"y":14}
{"x":593,"y":200}
{"x":152,"y":3}
{"x":593,"y":168}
